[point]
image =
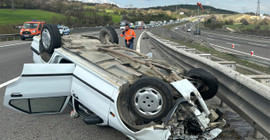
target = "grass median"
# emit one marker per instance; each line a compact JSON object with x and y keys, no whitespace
{"x":225,"y":56}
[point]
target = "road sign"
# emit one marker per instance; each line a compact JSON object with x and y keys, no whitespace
{"x":252,"y":53}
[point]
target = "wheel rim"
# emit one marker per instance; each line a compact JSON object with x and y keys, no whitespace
{"x":107,"y":38}
{"x":148,"y":101}
{"x":46,"y":38}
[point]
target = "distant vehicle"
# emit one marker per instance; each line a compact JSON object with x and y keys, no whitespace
{"x":123,"y":24}
{"x":132,"y":26}
{"x":197,"y":32}
{"x":139,"y":24}
{"x":188,"y":30}
{"x":171,"y":22}
{"x":176,"y":28}
{"x":64,"y":30}
{"x":31,"y":29}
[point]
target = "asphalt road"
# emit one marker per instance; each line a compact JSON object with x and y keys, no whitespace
{"x":243,"y":43}
{"x":17,"y":126}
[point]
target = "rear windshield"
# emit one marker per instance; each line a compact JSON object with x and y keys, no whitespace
{"x":30,"y":25}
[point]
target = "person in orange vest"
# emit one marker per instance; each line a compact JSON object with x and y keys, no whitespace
{"x":129,"y":36}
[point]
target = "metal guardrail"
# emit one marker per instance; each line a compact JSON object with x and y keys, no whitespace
{"x":249,"y":98}
{"x":7,"y":36}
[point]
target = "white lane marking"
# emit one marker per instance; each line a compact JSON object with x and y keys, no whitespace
{"x":233,"y":43}
{"x":257,"y":44}
{"x":244,"y":53}
{"x":209,"y":38}
{"x":15,"y":44}
{"x":9,"y":82}
{"x":233,"y":37}
{"x":138,"y":47}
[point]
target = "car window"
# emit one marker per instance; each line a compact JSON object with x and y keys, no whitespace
{"x":30,"y":25}
{"x":39,"y":105}
{"x":40,"y":27}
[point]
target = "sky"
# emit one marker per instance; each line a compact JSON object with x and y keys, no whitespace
{"x":234,"y":5}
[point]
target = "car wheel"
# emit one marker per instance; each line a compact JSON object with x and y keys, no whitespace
{"x":205,"y":82}
{"x":50,"y":39}
{"x":150,"y":99}
{"x":22,"y":38}
{"x":108,"y":34}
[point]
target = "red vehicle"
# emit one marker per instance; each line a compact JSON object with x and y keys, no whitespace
{"x":31,"y":29}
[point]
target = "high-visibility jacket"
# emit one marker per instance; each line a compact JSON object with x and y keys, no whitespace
{"x":129,"y":34}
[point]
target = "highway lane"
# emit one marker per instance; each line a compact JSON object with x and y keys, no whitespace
{"x":17,"y":126}
{"x":243,"y":43}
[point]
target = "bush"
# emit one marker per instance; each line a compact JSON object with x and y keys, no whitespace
{"x":8,"y":29}
{"x":244,"y":21}
{"x":257,"y":27}
{"x":212,"y":23}
{"x":229,"y":22}
{"x":265,"y":22}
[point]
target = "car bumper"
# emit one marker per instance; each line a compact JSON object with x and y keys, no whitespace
{"x":27,"y":36}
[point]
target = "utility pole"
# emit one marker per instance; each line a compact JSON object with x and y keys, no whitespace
{"x":258,"y":10}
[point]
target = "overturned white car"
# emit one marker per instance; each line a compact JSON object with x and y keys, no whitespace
{"x":111,"y":85}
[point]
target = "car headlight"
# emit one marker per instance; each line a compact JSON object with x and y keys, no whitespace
{"x":34,"y":31}
{"x":20,"y":31}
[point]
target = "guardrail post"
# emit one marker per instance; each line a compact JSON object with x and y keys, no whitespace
{"x":222,"y":104}
{"x":257,"y":134}
{"x":265,"y":79}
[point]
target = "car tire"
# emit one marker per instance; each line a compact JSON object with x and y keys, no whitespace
{"x":150,"y":95}
{"x":50,"y":38}
{"x":55,"y":42}
{"x":108,"y":34}
{"x":205,"y":82}
{"x":22,"y":38}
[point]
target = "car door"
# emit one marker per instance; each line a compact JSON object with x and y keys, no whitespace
{"x":41,"y":89}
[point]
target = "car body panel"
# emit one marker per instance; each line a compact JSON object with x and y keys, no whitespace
{"x":99,"y":79}
{"x":40,"y":82}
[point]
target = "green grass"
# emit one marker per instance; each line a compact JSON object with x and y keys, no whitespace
{"x":19,"y":16}
{"x":89,"y":7}
{"x":108,"y":10}
{"x":251,"y":26}
{"x":116,"y":18}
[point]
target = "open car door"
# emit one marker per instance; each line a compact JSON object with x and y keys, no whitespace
{"x":41,"y":89}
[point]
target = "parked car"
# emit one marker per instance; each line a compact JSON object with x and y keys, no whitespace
{"x":110,"y":85}
{"x":64,"y":30}
{"x":188,"y":30}
{"x":31,"y":29}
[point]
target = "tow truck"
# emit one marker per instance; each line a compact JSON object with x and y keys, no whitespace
{"x":107,"y":84}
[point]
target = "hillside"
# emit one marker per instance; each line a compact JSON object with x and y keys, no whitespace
{"x":192,"y":9}
{"x":19,"y":16}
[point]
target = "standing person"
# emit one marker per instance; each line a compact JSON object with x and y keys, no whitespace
{"x":129,"y":36}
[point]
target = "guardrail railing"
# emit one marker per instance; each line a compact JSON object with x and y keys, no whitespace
{"x":8,"y":36}
{"x":249,"y":98}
